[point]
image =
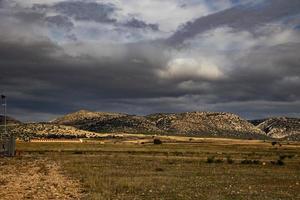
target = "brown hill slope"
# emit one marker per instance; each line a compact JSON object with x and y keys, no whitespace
{"x":206,"y":124}
{"x":9,"y":120}
{"x":190,"y":123}
{"x":85,"y":117}
{"x":44,"y":130}
{"x":281,"y":127}
{"x":126,"y":124}
{"x":107,"y":122}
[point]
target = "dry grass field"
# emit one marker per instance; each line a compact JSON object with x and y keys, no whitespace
{"x":180,"y":168}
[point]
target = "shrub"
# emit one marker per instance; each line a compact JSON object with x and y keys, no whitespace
{"x":290,"y":156}
{"x":278,"y":162}
{"x":249,"y":162}
{"x":274,"y":143}
{"x":157,"y":141}
{"x":210,"y":159}
{"x":159,"y":169}
{"x":282,"y":157}
{"x":77,"y":152}
{"x":229,"y":160}
{"x":256,"y":162}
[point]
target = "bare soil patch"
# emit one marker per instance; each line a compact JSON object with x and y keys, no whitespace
{"x":35,"y":178}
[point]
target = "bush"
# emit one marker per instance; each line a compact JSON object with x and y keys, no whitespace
{"x":282,"y":157}
{"x":213,"y":160}
{"x":229,"y":160}
{"x":250,"y":162}
{"x":77,"y":152}
{"x":290,"y":156}
{"x":210,"y":159}
{"x":157,"y":141}
{"x":278,"y":162}
{"x":274,"y":143}
{"x":159,"y":169}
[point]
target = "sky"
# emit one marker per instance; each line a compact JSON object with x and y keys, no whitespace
{"x":149,"y":56}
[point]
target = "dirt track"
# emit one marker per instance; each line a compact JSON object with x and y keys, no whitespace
{"x":29,"y":178}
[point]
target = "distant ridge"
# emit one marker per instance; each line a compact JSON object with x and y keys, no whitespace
{"x":281,"y":127}
{"x":9,"y":120}
{"x":84,"y":123}
{"x":83,"y":117}
{"x":217,"y":124}
{"x":189,"y":123}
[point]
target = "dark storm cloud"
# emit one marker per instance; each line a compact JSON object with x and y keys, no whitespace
{"x":44,"y":78}
{"x":80,"y":10}
{"x":135,"y":23}
{"x":245,"y":17}
{"x":60,"y":22}
{"x":61,"y":84}
{"x":264,"y":75}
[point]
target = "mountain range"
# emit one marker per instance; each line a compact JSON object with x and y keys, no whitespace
{"x":87,"y":124}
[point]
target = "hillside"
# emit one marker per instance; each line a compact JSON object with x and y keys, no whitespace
{"x":281,"y":127}
{"x":206,"y":124}
{"x":190,"y":123}
{"x":84,"y":118}
{"x":43,"y":130}
{"x":127,"y":124}
{"x":9,"y":120}
{"x":107,"y":122}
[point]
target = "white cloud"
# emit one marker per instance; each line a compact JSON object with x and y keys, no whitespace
{"x":214,"y":53}
{"x":190,"y":68}
{"x":169,"y":14}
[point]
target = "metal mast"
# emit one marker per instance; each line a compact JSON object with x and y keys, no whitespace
{"x":3,"y":98}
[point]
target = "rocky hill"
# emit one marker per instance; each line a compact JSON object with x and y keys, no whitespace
{"x":281,"y":127}
{"x":84,"y":118}
{"x":107,"y":122}
{"x":190,"y":123}
{"x":9,"y":120}
{"x":44,"y":130}
{"x":126,"y":124}
{"x":206,"y":124}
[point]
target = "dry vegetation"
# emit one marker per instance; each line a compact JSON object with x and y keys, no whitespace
{"x":35,"y":178}
{"x":240,"y":169}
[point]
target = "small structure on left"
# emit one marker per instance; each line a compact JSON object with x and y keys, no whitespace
{"x":7,"y":141}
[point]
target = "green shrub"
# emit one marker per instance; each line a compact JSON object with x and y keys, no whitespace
{"x":159,"y":169}
{"x":210,"y":159}
{"x":250,"y":162}
{"x":157,"y":141}
{"x":278,"y":162}
{"x":229,"y":160}
{"x":219,"y":161}
{"x":282,"y":157}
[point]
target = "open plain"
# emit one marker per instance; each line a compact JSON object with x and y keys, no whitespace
{"x":179,"y":168}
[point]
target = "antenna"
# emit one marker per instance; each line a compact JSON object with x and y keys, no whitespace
{"x":3,"y":98}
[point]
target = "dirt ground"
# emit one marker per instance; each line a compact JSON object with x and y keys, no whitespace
{"x":36,"y":178}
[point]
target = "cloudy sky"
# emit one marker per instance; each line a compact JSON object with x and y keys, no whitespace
{"x":147,"y":56}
